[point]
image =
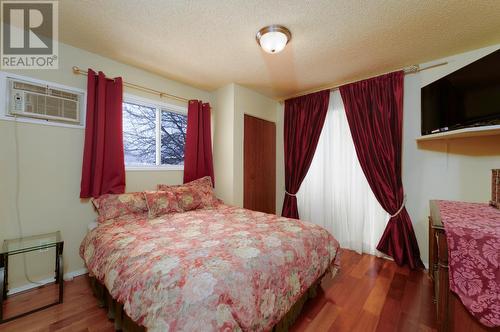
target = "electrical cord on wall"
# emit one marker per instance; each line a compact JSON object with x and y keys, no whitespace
{"x":18,"y":213}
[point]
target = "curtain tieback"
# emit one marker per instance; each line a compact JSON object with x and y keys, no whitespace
{"x":293,"y":195}
{"x":400,"y":209}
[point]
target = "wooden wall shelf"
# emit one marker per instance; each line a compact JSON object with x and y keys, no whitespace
{"x":461,"y":133}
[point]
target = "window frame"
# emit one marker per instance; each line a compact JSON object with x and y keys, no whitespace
{"x":159,"y":107}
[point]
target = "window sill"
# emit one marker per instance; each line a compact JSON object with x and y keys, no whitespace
{"x":154,"y":168}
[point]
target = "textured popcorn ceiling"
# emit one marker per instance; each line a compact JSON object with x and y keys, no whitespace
{"x":210,"y":43}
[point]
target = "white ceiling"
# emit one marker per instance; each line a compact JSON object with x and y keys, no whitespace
{"x":210,"y":43}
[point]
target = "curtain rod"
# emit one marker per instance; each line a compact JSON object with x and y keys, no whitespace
{"x":407,"y":70}
{"x":79,"y":71}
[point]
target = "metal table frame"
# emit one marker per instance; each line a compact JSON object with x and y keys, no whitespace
{"x":4,"y":274}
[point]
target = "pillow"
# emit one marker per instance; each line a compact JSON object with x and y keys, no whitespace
{"x":161,"y":202}
{"x":110,"y":206}
{"x":188,"y":198}
{"x":202,"y":186}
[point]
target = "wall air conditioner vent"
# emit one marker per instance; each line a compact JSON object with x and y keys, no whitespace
{"x":44,"y":102}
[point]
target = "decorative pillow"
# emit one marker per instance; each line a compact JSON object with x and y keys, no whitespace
{"x":188,"y":198}
{"x":202,"y":186}
{"x":161,"y":202}
{"x":110,"y":206}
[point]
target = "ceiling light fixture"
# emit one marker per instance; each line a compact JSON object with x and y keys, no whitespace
{"x":273,"y":38}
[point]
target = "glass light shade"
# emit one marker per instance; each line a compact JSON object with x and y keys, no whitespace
{"x":273,"y":41}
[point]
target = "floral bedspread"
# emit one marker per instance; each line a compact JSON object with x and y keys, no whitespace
{"x":208,"y":270}
{"x":473,"y":235}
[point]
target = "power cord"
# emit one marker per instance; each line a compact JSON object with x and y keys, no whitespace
{"x":18,"y":213}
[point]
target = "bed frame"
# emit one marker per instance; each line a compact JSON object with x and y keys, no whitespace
{"x":124,"y":323}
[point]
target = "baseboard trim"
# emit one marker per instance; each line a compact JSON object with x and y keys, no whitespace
{"x":70,"y":275}
{"x":392,"y":259}
{"x":67,"y":277}
{"x":389,"y":258}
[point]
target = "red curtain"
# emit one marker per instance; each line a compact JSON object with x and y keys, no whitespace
{"x":374,"y":110}
{"x":198,"y":149}
{"x":304,"y":119}
{"x":103,"y":169}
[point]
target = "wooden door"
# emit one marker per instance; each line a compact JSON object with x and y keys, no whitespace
{"x":259,"y":168}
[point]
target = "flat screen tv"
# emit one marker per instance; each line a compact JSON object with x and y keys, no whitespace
{"x":468,"y":97}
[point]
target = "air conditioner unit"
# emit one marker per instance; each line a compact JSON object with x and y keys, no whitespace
{"x":43,"y":102}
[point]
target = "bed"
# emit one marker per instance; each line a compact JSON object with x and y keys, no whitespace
{"x":210,"y":269}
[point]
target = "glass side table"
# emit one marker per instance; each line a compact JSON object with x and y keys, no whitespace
{"x":23,"y":245}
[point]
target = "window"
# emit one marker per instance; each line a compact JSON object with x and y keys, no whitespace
{"x":335,"y":193}
{"x":153,"y":135}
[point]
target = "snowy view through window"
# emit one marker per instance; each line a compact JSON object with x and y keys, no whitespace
{"x":153,"y":136}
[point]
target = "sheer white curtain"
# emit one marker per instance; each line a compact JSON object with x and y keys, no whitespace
{"x":335,"y":193}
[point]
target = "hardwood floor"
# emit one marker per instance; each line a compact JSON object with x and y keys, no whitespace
{"x":371,"y":294}
{"x":368,"y":294}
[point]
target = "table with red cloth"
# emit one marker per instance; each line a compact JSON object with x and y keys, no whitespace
{"x":473,"y":236}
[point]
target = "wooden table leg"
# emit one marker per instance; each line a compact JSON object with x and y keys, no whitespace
{"x":444,"y":286}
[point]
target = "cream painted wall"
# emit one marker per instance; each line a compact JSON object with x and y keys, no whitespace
{"x":253,"y":103}
{"x":233,"y":102}
{"x":223,"y":143}
{"x":50,"y":160}
{"x":454,"y":169}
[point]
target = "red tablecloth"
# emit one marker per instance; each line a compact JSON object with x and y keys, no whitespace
{"x":473,"y":234}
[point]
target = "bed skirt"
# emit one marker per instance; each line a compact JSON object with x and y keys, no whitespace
{"x":126,"y":324}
